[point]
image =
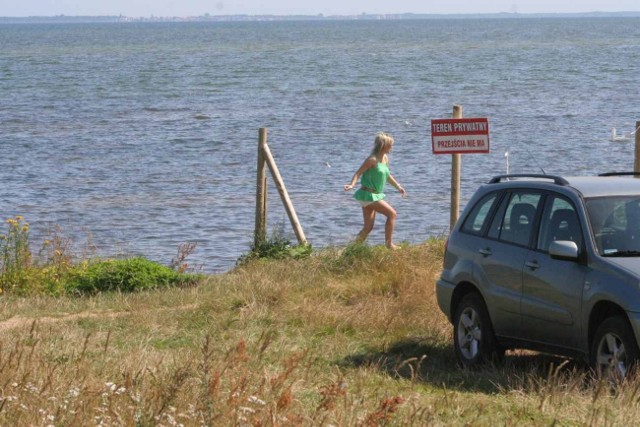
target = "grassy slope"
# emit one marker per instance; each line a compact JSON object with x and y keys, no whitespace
{"x":342,"y":338}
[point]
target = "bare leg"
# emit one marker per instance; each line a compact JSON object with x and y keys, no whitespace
{"x":385,"y":209}
{"x":369,"y":216}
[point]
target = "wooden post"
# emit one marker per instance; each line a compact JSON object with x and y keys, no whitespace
{"x":293,"y":218}
{"x":636,"y":163}
{"x":260,"y":234}
{"x":456,"y":164}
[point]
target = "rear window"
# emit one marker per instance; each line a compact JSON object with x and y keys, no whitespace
{"x":474,"y":224}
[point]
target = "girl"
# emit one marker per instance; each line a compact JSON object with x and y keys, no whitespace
{"x":375,"y":174}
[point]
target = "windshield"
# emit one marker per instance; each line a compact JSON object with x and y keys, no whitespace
{"x":616,"y":225}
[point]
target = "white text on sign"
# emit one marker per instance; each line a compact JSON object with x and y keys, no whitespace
{"x":453,"y":136}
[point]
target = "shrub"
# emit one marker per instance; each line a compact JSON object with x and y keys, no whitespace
{"x":16,"y":256}
{"x":276,"y":247}
{"x":126,"y":275}
{"x":53,"y":270}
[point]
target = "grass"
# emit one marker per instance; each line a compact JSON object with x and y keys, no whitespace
{"x":346,"y":336}
{"x":55,"y":271}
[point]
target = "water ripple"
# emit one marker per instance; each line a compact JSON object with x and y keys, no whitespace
{"x":144,"y":136}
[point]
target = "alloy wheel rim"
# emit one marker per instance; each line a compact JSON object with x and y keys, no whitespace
{"x":469,"y":333}
{"x":612,"y":357}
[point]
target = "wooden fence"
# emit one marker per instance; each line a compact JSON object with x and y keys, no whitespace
{"x":265,"y":159}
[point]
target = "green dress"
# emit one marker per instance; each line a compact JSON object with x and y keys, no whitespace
{"x":373,"y":179}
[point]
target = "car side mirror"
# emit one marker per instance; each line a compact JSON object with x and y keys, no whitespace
{"x":563,"y":249}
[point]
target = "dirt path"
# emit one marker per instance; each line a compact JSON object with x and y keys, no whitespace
{"x":20,"y":321}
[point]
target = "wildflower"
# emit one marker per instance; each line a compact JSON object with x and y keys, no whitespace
{"x":254,"y":399}
{"x":172,"y":421}
{"x":19,"y":218}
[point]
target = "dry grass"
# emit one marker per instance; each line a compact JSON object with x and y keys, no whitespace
{"x":342,"y":338}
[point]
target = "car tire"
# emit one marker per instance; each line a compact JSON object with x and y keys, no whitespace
{"x":614,"y":351}
{"x":473,"y":338}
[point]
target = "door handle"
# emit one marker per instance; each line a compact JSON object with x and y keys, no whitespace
{"x":532,"y":265}
{"x":485,"y":252}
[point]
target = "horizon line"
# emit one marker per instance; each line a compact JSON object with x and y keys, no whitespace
{"x":323,"y":16}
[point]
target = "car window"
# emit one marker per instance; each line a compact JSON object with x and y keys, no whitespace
{"x":559,"y":222}
{"x":615,"y":222}
{"x":478,"y":216}
{"x":514,"y":221}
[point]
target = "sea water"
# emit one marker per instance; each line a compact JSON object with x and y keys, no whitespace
{"x":139,"y":137}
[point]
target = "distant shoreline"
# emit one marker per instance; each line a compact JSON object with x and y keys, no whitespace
{"x":253,"y":18}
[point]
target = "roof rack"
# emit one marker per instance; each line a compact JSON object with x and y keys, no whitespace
{"x":620,"y":174}
{"x":556,"y":179}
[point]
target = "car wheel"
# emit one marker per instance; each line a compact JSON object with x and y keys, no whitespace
{"x":614,"y":350}
{"x":473,"y":337}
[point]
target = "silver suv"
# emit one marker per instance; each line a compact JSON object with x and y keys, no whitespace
{"x":547,"y":263}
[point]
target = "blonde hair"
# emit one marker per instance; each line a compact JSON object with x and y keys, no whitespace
{"x":382,"y":141}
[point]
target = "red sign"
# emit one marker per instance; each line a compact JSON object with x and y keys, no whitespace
{"x":460,"y":136}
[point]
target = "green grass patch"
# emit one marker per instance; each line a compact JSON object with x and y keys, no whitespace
{"x":54,"y":271}
{"x":126,"y":275}
{"x":276,"y":247}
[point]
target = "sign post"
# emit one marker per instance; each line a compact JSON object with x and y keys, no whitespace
{"x":458,"y":136}
{"x":636,"y":162}
{"x":456,"y":167}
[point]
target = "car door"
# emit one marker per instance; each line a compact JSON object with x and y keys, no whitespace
{"x":552,"y":288}
{"x":502,"y":257}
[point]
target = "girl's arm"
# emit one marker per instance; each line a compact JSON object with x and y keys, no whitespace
{"x":370,"y":162}
{"x":397,"y":185}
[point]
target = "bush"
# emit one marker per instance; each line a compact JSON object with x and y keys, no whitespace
{"x":15,"y":256}
{"x":53,"y":270}
{"x":126,"y":275}
{"x":276,"y":247}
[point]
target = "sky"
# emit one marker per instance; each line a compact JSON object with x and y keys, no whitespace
{"x":181,"y":8}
